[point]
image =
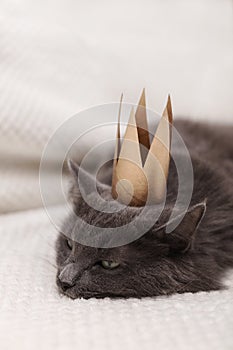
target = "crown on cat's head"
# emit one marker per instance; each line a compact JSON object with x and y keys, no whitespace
{"x":139,"y":165}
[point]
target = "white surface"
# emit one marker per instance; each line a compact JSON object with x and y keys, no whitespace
{"x":34,"y":316}
{"x":58,"y":57}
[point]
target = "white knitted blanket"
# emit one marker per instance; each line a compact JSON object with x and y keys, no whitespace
{"x":58,"y":57}
{"x":34,"y":316}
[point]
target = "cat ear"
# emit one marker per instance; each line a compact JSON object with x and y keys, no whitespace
{"x":73,"y":167}
{"x":84,"y":179}
{"x":182,"y":237}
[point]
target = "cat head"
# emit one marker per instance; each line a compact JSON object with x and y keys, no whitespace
{"x":155,"y":263}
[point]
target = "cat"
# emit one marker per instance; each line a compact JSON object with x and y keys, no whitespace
{"x":192,"y":258}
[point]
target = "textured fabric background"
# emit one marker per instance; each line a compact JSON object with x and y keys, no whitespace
{"x":57,"y":58}
{"x":34,"y":316}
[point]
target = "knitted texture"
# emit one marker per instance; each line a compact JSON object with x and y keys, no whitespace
{"x":34,"y":316}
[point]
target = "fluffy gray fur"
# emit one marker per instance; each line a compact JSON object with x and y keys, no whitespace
{"x":194,"y":257}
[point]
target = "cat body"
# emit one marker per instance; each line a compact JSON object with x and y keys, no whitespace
{"x":194,"y":257}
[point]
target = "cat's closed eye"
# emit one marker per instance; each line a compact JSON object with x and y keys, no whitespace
{"x":109,"y":264}
{"x":69,"y":244}
{"x":104,"y":263}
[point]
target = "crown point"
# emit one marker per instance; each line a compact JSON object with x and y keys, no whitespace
{"x":168,"y":110}
{"x":169,"y":100}
{"x":142,"y":101}
{"x":119,"y":112}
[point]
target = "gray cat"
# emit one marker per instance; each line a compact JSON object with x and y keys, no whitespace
{"x":194,"y":257}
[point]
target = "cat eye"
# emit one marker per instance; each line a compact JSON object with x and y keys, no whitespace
{"x":109,"y":264}
{"x":69,"y":244}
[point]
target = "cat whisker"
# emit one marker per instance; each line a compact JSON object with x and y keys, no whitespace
{"x":48,"y":242}
{"x":48,"y":262}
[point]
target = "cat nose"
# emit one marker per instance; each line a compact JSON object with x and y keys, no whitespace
{"x":66,"y":277}
{"x":65,"y":285}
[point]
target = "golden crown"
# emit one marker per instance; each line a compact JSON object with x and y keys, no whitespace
{"x":140,"y":167}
